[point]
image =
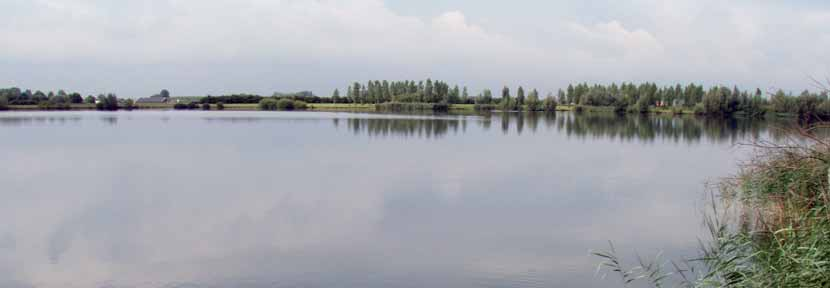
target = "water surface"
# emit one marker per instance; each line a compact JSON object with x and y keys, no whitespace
{"x":270,"y":199}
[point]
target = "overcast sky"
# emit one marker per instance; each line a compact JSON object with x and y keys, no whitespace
{"x":199,"y":47}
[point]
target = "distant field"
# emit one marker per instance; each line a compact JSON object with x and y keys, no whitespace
{"x":240,"y":107}
{"x":154,"y":105}
{"x":466,"y":107}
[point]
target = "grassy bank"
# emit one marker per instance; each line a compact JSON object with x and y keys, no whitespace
{"x":769,"y":225}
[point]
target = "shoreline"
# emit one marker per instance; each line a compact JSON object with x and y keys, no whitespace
{"x":329,"y":107}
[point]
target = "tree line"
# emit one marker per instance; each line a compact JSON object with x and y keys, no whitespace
{"x":622,"y":98}
{"x":60,"y":100}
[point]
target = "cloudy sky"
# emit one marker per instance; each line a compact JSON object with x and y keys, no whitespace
{"x":198,"y":47}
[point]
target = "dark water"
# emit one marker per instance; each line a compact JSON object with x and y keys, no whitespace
{"x":249,"y":199}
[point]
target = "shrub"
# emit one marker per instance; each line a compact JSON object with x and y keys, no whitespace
{"x":109,"y":102}
{"x":399,"y":107}
{"x":579,"y":108}
{"x":643,"y":105}
{"x":192,"y":105}
{"x":268,"y":104}
{"x":285,"y":104}
{"x":52,"y":105}
{"x":129,"y":104}
{"x":205,"y":106}
{"x":676,"y":110}
{"x":220,"y":106}
{"x":300,"y":105}
{"x":484,"y":107}
{"x":549,"y":104}
{"x":4,"y":103}
{"x":699,"y":109}
{"x":180,"y":106}
{"x":780,"y":234}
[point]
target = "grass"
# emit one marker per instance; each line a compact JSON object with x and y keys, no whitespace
{"x":770,"y":226}
{"x":341,"y":106}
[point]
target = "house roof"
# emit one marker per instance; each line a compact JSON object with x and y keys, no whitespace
{"x":153,"y":99}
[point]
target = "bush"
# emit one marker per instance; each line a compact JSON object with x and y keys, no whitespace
{"x":676,"y":110}
{"x":180,"y":106}
{"x":399,"y":107}
{"x":271,"y":104}
{"x":129,"y":104}
{"x":268,"y":104}
{"x":220,"y":106}
{"x":109,"y":102}
{"x":643,"y":105}
{"x":484,"y":107}
{"x":579,"y":108}
{"x":620,"y":107}
{"x":4,"y":103}
{"x":772,"y":228}
{"x":205,"y":106}
{"x":52,"y":105}
{"x":699,"y":109}
{"x":285,"y":104}
{"x":549,"y":104}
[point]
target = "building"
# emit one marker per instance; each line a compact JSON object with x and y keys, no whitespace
{"x":155,"y":99}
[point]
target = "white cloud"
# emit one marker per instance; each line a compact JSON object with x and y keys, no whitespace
{"x":612,"y":40}
{"x":313,"y":44}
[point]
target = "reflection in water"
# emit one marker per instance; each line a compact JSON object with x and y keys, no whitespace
{"x":13,"y":120}
{"x":584,"y":125}
{"x":112,"y":120}
{"x":422,"y":128}
{"x":273,"y":199}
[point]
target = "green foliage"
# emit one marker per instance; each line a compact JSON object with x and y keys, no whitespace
{"x":643,"y":105}
{"x":676,"y":110}
{"x":780,"y":236}
{"x":549,"y":104}
{"x":129,"y":104}
{"x":232,"y":99}
{"x":76,"y":98}
{"x":220,"y":106}
{"x":108,"y":102}
{"x":182,"y":106}
{"x":400,"y":107}
{"x":272,"y":104}
{"x":205,"y":106}
{"x":699,"y":109}
{"x":4,"y":102}
{"x":484,"y":107}
{"x":520,"y":96}
{"x":533,"y":103}
{"x":268,"y":104}
{"x":89,"y":99}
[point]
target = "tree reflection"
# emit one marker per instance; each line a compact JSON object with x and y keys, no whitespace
{"x":579,"y":125}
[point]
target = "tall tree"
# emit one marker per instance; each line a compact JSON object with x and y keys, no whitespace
{"x":335,"y":96}
{"x":520,"y":96}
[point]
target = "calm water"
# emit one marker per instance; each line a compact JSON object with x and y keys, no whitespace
{"x":250,"y":199}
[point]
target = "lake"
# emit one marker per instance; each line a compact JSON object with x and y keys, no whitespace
{"x":312,"y":199}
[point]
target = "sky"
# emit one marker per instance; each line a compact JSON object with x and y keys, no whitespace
{"x":201,"y":47}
